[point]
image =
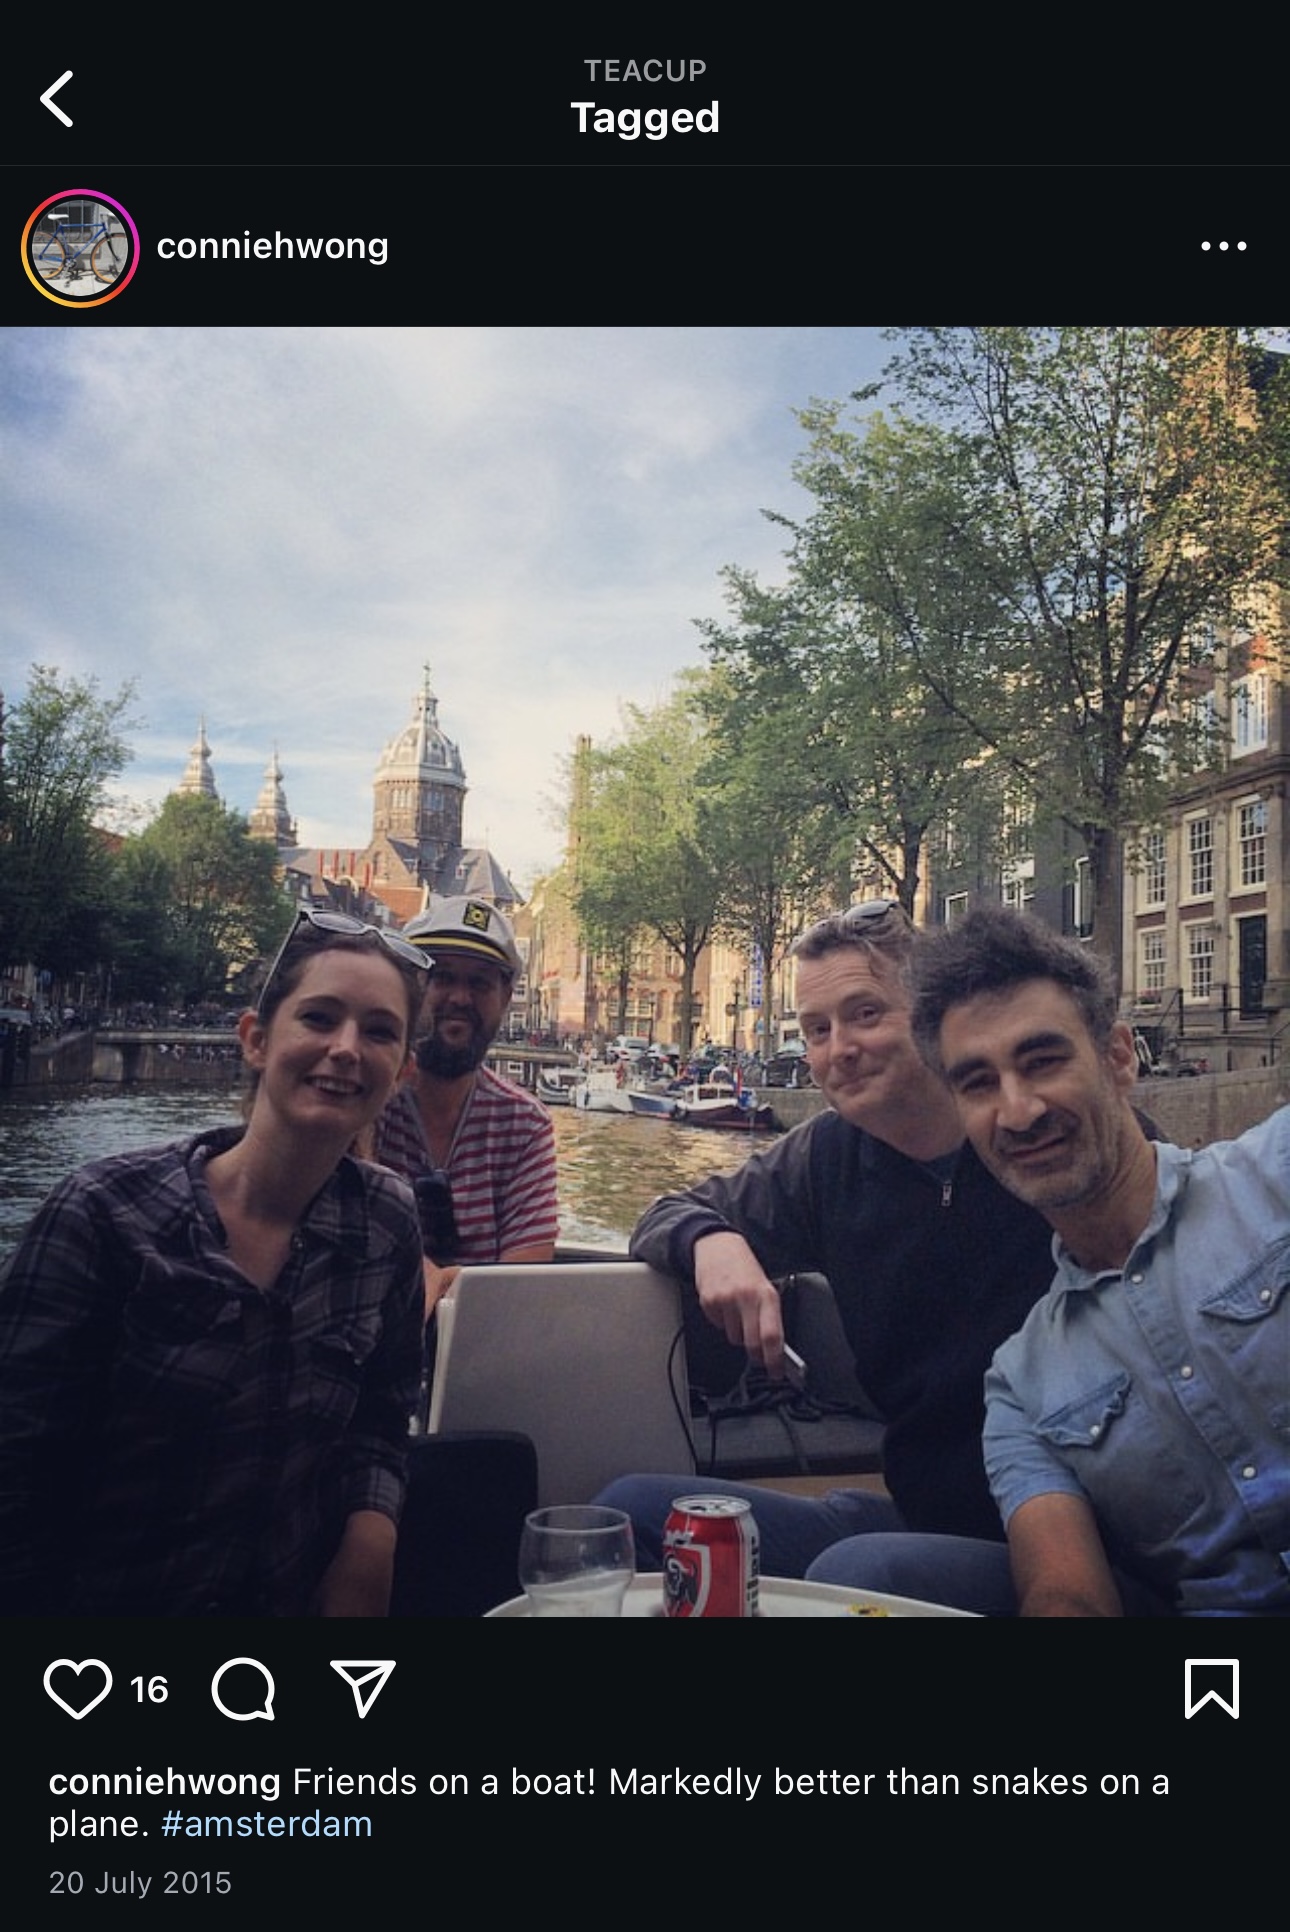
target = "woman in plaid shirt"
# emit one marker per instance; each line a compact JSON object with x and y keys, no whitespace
{"x":209,"y":1351}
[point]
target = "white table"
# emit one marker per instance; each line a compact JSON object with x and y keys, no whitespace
{"x":780,"y":1597}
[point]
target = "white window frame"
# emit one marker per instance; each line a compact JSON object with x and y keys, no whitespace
{"x":1252,"y":843}
{"x":1155,"y":869}
{"x":1200,"y":961}
{"x":1200,"y":856}
{"x":1017,"y":889}
{"x":1018,"y":832}
{"x":1082,"y":897}
{"x":1152,"y":971}
{"x":1250,"y":714}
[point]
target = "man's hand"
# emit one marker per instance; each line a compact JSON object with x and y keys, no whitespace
{"x":437,"y":1283}
{"x":737,"y":1298}
{"x":360,"y":1577}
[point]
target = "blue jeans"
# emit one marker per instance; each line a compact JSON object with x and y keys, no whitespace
{"x":849,"y":1536}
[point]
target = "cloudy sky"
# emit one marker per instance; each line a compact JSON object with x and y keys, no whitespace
{"x":276,"y":530}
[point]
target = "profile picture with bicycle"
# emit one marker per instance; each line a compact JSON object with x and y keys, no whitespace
{"x":80,"y":248}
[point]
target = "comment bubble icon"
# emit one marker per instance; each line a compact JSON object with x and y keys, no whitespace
{"x":262,"y":1703}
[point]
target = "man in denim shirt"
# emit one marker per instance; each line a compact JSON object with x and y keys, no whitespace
{"x":1138,"y":1427}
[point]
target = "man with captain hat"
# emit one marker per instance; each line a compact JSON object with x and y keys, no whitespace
{"x":478,"y":1150}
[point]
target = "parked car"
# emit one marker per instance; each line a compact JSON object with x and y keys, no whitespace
{"x":788,"y":1067}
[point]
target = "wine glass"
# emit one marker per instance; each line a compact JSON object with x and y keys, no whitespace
{"x":576,"y":1560}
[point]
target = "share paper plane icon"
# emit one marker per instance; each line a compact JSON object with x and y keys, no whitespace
{"x":366,"y":1677}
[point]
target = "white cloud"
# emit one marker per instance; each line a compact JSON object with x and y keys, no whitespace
{"x":276,"y":529}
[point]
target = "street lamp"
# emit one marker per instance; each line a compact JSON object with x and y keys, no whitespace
{"x":734,"y":1009}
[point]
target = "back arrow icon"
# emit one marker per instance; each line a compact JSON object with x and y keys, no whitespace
{"x":47,"y":98}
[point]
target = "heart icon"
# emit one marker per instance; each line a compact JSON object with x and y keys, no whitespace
{"x":88,"y":1663}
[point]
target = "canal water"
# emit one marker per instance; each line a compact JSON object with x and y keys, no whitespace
{"x":611,"y":1166}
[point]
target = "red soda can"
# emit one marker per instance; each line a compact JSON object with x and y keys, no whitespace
{"x":711,"y":1558}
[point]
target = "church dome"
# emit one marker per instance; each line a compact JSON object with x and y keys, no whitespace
{"x":421,"y":752}
{"x":419,"y":795}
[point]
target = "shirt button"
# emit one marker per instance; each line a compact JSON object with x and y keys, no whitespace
{"x":1265,"y":1295}
{"x":1249,"y":1471}
{"x":1137,"y":1279}
{"x":1186,"y":1371}
{"x":1095,"y":1432}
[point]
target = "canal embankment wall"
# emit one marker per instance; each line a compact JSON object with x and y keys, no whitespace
{"x":118,"y":1056}
{"x":1192,"y":1112}
{"x":82,"y":1058}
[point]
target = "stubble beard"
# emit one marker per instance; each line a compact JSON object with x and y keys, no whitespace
{"x":443,"y":1062}
{"x":1086,"y":1173}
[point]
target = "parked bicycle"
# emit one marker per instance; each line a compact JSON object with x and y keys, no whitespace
{"x":55,"y":250}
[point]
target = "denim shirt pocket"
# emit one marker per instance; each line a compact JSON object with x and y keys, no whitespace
{"x":1083,"y":1423}
{"x":1128,"y":1465}
{"x":1242,"y":1319}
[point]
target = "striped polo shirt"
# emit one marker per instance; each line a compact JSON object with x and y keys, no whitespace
{"x":501,"y":1168}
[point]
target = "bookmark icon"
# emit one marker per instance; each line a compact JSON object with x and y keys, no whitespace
{"x":366,"y":1677}
{"x":1196,"y":1695}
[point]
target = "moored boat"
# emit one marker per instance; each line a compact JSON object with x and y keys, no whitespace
{"x":655,"y":1106}
{"x":601,"y":1091}
{"x":555,"y":1085}
{"x":712,"y":1103}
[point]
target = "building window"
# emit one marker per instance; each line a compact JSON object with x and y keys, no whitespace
{"x":1250,"y":713}
{"x":1153,"y":962}
{"x":1154,"y":872}
{"x":956,"y":904}
{"x":1082,"y":899}
{"x":1018,"y":829}
{"x":1252,"y":843}
{"x":1018,"y":889}
{"x":1252,"y":963}
{"x":1200,"y":961}
{"x":1200,"y":857}
{"x":1200,"y":712}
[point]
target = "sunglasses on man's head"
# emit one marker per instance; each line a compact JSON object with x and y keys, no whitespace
{"x":871,"y":912}
{"x":865,"y":917}
{"x":308,"y":920}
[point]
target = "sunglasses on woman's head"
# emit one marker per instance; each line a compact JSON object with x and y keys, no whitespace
{"x":307,"y":920}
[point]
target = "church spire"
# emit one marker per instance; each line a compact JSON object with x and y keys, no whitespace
{"x":198,"y":780}
{"x":271,"y":818}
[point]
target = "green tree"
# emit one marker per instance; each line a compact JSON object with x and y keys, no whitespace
{"x":773,"y":837}
{"x":821,"y":663}
{"x":63,"y":744}
{"x":206,"y":890}
{"x":640,"y":858}
{"x":1113,"y":502}
{"x":141,"y":944}
{"x":597,"y":879}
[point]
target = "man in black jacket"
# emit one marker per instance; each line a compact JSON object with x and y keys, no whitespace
{"x":931,"y":1262}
